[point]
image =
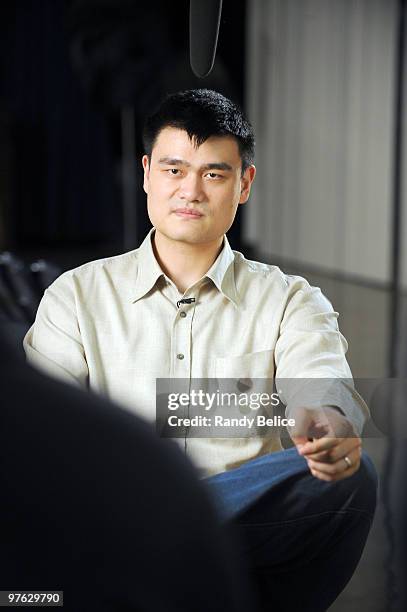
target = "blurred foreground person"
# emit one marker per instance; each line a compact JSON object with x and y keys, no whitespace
{"x":95,"y":505}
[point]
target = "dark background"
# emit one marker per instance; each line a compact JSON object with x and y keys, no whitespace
{"x":68,"y":72}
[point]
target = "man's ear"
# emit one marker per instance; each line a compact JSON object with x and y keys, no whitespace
{"x":246,"y":183}
{"x":146,"y":167}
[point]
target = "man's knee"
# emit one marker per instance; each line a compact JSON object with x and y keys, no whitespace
{"x":366,"y":480}
{"x":356,"y":494}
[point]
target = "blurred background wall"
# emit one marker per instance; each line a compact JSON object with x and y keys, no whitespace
{"x":321,"y":94}
{"x":322,"y":90}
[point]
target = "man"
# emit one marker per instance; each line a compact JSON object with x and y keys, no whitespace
{"x":184,"y":305}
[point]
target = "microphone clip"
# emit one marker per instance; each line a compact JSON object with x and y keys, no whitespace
{"x":185,"y":301}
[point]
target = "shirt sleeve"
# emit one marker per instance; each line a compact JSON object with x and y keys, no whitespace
{"x":53,"y":344}
{"x":311,"y":367}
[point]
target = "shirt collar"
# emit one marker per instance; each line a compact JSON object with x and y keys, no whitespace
{"x":149,"y":270}
{"x":221,"y":272}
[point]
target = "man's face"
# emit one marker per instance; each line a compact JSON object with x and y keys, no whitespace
{"x":193,"y":193}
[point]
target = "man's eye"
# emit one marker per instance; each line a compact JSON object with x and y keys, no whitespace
{"x":213,"y":175}
{"x":174,"y":171}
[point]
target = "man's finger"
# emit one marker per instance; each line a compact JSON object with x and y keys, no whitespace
{"x":299,"y":442}
{"x":304,"y":420}
{"x":321,"y":444}
{"x":342,"y":467}
{"x":334,"y":477}
{"x":346,"y":445}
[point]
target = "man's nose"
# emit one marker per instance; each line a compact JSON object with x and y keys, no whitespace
{"x":191,"y":188}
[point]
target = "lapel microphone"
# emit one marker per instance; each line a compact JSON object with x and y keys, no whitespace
{"x":185,"y":301}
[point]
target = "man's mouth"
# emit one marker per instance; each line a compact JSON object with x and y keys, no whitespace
{"x":188,"y":212}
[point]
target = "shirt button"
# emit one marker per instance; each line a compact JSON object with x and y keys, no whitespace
{"x":244,"y":384}
{"x":180,"y":356}
{"x":183,"y":314}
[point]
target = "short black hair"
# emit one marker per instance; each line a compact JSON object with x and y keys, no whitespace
{"x":202,"y":113}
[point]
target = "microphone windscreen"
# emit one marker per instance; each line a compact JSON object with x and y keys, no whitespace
{"x":204,"y":21}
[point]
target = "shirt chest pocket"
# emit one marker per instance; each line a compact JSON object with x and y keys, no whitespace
{"x":247,"y":366}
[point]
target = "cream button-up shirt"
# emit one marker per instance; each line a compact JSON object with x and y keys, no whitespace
{"x":113,"y":326}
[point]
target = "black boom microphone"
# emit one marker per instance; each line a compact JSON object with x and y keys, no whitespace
{"x":204,"y":21}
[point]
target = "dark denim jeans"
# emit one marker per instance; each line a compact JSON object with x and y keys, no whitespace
{"x":302,"y":537}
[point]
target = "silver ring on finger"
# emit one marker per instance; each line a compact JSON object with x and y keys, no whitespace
{"x":348,"y":462}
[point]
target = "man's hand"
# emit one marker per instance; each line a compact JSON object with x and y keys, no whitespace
{"x":327,"y":440}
